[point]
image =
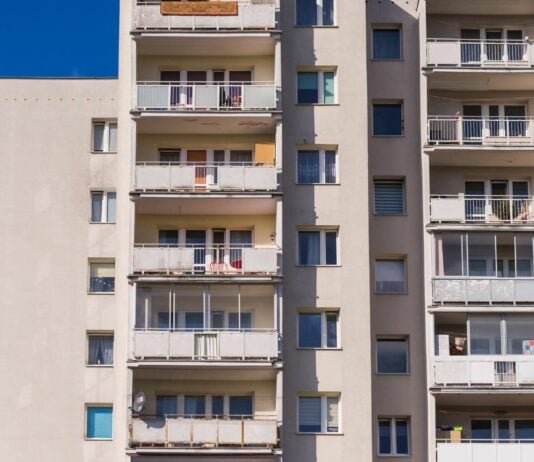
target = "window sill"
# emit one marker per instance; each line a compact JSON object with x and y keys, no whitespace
{"x":395,"y":374}
{"x":389,"y":456}
{"x":387,"y":60}
{"x":316,"y":104}
{"x":388,"y":136}
{"x":390,"y":214}
{"x":103,"y":152}
{"x":100,"y":293}
{"x":391,"y":293}
{"x":318,"y":266}
{"x":315,"y":26}
{"x":102,"y":222}
{"x":319,"y":349}
{"x":317,"y":184}
{"x":98,"y":439}
{"x":100,"y":366}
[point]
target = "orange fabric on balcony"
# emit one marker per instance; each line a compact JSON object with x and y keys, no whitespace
{"x":199,"y":9}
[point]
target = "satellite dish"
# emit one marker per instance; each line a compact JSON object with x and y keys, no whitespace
{"x":139,"y":402}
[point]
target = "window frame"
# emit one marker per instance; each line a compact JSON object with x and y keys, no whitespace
{"x":324,"y":313}
{"x":322,"y":246}
{"x":94,"y":261}
{"x":387,"y":26}
{"x":404,"y":202}
{"x":319,"y":18}
{"x":386,"y":338}
{"x":320,"y":90}
{"x":106,"y":136}
{"x":86,"y":426}
{"x":393,"y":420}
{"x":322,"y":166}
{"x":402,"y":119}
{"x":106,"y":333}
{"x":405,"y":267}
{"x":324,"y":413}
{"x":105,"y":204}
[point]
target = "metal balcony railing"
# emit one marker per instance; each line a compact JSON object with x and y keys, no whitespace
{"x":479,"y":53}
{"x":470,"y":450}
{"x":212,"y":96}
{"x":485,"y":131}
{"x":482,"y":209}
{"x":175,"y":176}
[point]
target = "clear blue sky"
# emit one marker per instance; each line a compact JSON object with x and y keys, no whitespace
{"x":59,"y":38}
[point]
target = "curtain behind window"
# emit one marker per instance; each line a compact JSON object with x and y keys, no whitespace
{"x":309,"y":248}
{"x":306,"y":12}
{"x":100,"y":349}
{"x":308,"y":167}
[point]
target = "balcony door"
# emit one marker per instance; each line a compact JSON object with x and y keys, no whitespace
{"x":198,"y":158}
{"x":172,"y":78}
{"x":235,"y":92}
{"x":475,"y":203}
{"x":494,"y":45}
{"x":472,"y":124}
{"x":239,"y":239}
{"x":194,"y":79}
{"x":196,"y":239}
{"x":470,"y":49}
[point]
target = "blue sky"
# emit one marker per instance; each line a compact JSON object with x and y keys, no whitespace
{"x":59,"y":38}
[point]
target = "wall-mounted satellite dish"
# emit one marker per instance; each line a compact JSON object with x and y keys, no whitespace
{"x":139,"y":402}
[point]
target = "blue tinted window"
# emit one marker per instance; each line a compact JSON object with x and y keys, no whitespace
{"x":401,"y":436}
{"x":387,"y":119}
{"x":194,"y":320}
{"x":331,"y":330}
{"x":330,"y":167}
{"x":524,"y":429}
{"x":386,"y":44}
{"x":310,"y":330}
{"x":306,"y":12}
{"x":195,"y":406}
{"x":241,"y":406}
{"x":481,"y":430}
{"x":99,"y":422}
{"x":384,"y":437}
{"x":308,"y":167}
{"x":309,"y":248}
{"x":392,"y":356}
{"x":310,"y":415}
{"x":331,"y":248}
{"x":308,"y":87}
{"x":328,"y":12}
{"x":166,"y":405}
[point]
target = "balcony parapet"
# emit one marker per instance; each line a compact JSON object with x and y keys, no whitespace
{"x":501,"y":450}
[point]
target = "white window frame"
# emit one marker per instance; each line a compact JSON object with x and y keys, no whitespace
{"x":324,"y":334}
{"x":320,"y":91}
{"x":104,"y":214}
{"x":322,"y":245}
{"x":322,"y":165}
{"x":393,"y":437}
{"x":324,"y":413}
{"x":99,"y":334}
{"x":401,"y":42}
{"x":208,"y":402}
{"x":319,"y":18}
{"x":105,"y":141}
{"x":96,"y":261}
{"x":395,"y":338}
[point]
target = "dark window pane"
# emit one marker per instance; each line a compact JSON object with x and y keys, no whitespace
{"x":389,"y":197}
{"x":386,"y":44}
{"x":308,"y":87}
{"x":330,"y":167}
{"x":102,"y":284}
{"x":217,"y":406}
{"x":306,"y":12}
{"x":310,"y":415}
{"x":98,"y":137}
{"x":166,"y":405}
{"x":328,"y":12}
{"x":401,"y":435}
{"x":100,"y":350}
{"x":194,"y":320}
{"x":308,"y":167}
{"x":96,"y":207}
{"x":481,"y":430}
{"x":309,"y":248}
{"x":384,"y":436}
{"x":246,"y":321}
{"x":195,"y":406}
{"x":168,"y":236}
{"x":331,"y":330}
{"x":387,"y":119}
{"x":392,"y":356}
{"x":524,"y":429}
{"x":309,"y":330}
{"x":241,"y":406}
{"x":331,"y":248}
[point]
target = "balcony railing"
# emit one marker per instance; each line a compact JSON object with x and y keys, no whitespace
{"x":502,"y":450}
{"x":209,"y":96}
{"x":251,"y":14}
{"x":479,"y":53}
{"x":175,"y":432}
{"x":169,"y":176}
{"x":200,"y":260}
{"x":477,"y":131}
{"x":495,"y":371}
{"x":462,"y":289}
{"x":193,"y":344}
{"x":482,"y":209}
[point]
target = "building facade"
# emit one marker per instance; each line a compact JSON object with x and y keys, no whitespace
{"x":290,"y":230}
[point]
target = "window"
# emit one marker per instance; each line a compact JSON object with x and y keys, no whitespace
{"x":195,"y":406}
{"x":389,"y":197}
{"x":315,"y":12}
{"x":393,"y":436}
{"x":104,"y":136}
{"x":316,"y":87}
{"x":318,"y":414}
{"x":103,"y":206}
{"x":99,"y":422}
{"x":318,"y":330}
{"x":389,"y":276}
{"x":166,"y":405}
{"x":387,"y":42}
{"x":316,"y":166}
{"x":102,"y":277}
{"x":392,"y":356}
{"x":240,"y":320}
{"x":387,"y":119}
{"x":317,"y":247}
{"x":100,"y":349}
{"x":240,"y":406}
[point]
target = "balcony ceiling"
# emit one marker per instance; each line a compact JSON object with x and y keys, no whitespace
{"x":481,"y":79}
{"x":206,"y":44}
{"x":495,"y":400}
{"x":480,"y":7}
{"x":205,"y":205}
{"x":478,"y":156}
{"x":206,"y":124}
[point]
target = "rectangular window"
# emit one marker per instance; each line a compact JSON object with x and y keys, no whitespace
{"x":389,"y":276}
{"x":316,"y":87}
{"x":240,"y":407}
{"x":392,"y":356}
{"x":99,"y":422}
{"x":389,"y":197}
{"x":195,"y":407}
{"x":103,"y":206}
{"x":318,"y":247}
{"x":237,"y":321}
{"x":102,"y":277}
{"x":100,"y":349}
{"x":316,"y":167}
{"x":393,"y":436}
{"x":387,"y":42}
{"x":166,"y":405}
{"x":318,"y":330}
{"x":318,"y":414}
{"x":387,"y":119}
{"x":315,"y":12}
{"x":104,"y":137}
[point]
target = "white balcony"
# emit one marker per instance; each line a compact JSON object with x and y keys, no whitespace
{"x":479,"y":53}
{"x":482,"y":209}
{"x":212,"y":96}
{"x":250,"y":14}
{"x":157,"y":176}
{"x":482,"y":370}
{"x":173,"y":432}
{"x":485,"y":451}
{"x":212,"y":261}
{"x":206,"y":344}
{"x":480,"y":131}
